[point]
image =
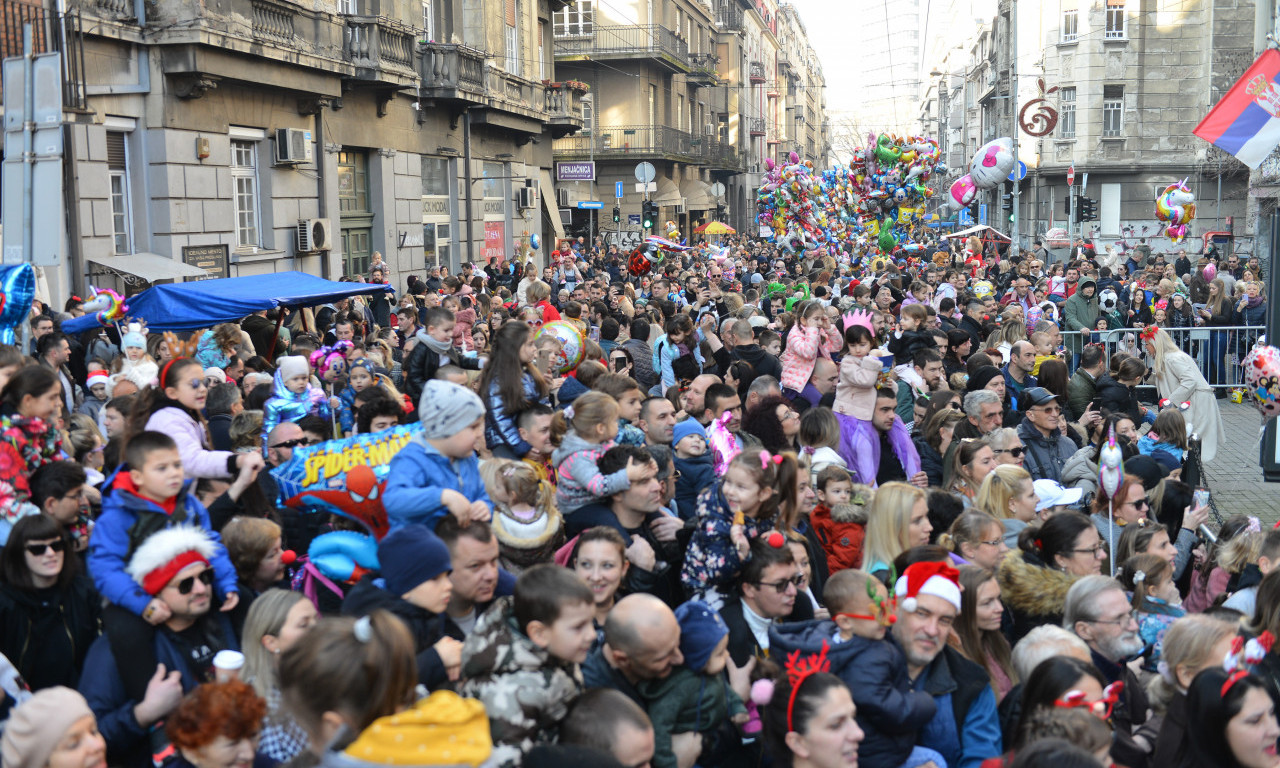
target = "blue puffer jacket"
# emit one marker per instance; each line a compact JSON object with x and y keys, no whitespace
{"x":500,"y":425}
{"x":696,"y":475}
{"x":889,"y":712}
{"x":102,"y":688}
{"x":290,"y":406}
{"x":127,"y":519}
{"x":419,"y":474}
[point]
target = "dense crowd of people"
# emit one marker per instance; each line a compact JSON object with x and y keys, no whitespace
{"x":762,"y":507}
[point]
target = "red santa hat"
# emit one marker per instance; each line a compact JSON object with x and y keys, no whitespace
{"x":937,"y":579}
{"x":97,"y":377}
{"x":165,"y":553}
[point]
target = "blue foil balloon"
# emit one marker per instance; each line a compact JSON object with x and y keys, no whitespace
{"x":17,"y":289}
{"x":535,"y":241}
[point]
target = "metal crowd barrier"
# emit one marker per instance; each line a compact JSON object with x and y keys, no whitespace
{"x":1218,"y":351}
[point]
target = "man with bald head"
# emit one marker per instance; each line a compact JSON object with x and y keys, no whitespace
{"x":693,"y":397}
{"x":821,"y":388}
{"x":641,"y":642}
{"x":746,"y":350}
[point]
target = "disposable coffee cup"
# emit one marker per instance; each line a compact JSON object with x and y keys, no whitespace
{"x":226,"y":665}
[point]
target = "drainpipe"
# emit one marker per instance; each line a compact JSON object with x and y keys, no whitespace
{"x":466,"y":160}
{"x":325,"y":268}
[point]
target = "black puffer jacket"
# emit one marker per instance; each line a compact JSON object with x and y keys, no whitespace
{"x":427,"y":628}
{"x":1114,"y":397}
{"x":46,"y":633}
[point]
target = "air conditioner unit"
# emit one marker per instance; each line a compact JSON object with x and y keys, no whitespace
{"x":562,"y":198}
{"x":528,"y":197}
{"x":293,"y":146}
{"x":314,"y":235}
{"x":711,"y":129}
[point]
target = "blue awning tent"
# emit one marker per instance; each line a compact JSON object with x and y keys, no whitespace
{"x":205,"y":303}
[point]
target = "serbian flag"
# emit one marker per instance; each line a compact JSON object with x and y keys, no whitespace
{"x":1246,"y":122}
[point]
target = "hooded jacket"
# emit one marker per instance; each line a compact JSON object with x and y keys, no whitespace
{"x":578,"y":479}
{"x":762,"y":364}
{"x":526,"y":692}
{"x":291,"y":406}
{"x":1045,"y":456}
{"x":696,"y":474}
{"x":1080,"y":313}
{"x":889,"y":711}
{"x":46,"y":633}
{"x":841,"y":533}
{"x":1081,"y":471}
{"x":1035,"y":593}
{"x":370,"y":594}
{"x":419,"y":474}
{"x":804,"y":345}
{"x":127,"y":519}
{"x":1114,"y":397}
{"x":423,"y":362}
{"x":687,"y":701}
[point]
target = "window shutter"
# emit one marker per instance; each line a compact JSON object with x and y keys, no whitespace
{"x":115,"y":150}
{"x":511,"y":13}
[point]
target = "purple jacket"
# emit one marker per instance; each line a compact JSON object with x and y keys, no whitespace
{"x":197,"y":459}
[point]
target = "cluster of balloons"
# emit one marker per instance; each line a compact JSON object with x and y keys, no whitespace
{"x":991,"y":165}
{"x":876,"y":199}
{"x":1262,"y":377}
{"x":1176,"y":207}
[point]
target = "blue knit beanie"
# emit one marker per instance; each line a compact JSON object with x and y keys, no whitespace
{"x":686,"y":428}
{"x":410,"y":556}
{"x":701,"y":630}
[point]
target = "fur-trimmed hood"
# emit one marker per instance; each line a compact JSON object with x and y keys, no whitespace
{"x":1029,"y":587}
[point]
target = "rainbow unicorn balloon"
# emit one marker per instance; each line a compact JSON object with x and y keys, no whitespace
{"x":1176,"y":207}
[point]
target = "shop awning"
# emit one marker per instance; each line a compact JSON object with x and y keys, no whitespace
{"x":149,"y":266}
{"x":697,"y":195}
{"x":668,"y":193}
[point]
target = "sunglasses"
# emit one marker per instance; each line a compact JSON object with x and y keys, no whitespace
{"x":781,"y":586}
{"x":186,"y":585}
{"x":292,"y":443}
{"x":1014,"y":452}
{"x":37,"y":550}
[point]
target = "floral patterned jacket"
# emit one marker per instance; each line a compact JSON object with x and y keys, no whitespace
{"x":25,"y":446}
{"x":711,"y":562}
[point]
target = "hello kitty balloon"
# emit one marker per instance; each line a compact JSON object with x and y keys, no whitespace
{"x":993,"y":163}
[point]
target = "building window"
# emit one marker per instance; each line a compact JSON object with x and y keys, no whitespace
{"x":435,"y":176}
{"x":1115,"y":20}
{"x":1070,"y":25}
{"x":428,"y":20}
{"x":575,"y":21}
{"x":353,"y":182}
{"x":1067,"y":113}
{"x":542,"y":52}
{"x":1112,"y":110}
{"x":118,"y":169}
{"x":349,"y":7}
{"x":493,"y":180}
{"x":244,"y":179}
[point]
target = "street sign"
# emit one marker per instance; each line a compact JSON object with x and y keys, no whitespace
{"x":618,"y":191}
{"x":1084,"y":184}
{"x":577,"y":171}
{"x":590,"y":205}
{"x":646,"y":187}
{"x":1071,"y":175}
{"x":965,"y":219}
{"x":633,"y":219}
{"x":717,"y":189}
{"x":982,"y":214}
{"x":1019,"y":173}
{"x":645,"y":173}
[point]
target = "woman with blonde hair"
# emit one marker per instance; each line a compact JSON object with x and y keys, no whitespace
{"x":978,"y":538}
{"x":1193,"y":643}
{"x":898,"y":520}
{"x":1179,"y":380}
{"x":972,"y":462}
{"x":276,"y":620}
{"x":1008,"y":495}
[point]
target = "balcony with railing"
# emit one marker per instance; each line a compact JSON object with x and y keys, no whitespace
{"x":50,"y":32}
{"x":704,"y":70}
{"x":755,"y":71}
{"x":755,"y":126}
{"x":633,"y":41}
{"x":632,"y":141}
{"x":564,"y":107}
{"x":729,"y":17}
{"x":451,"y":73}
{"x":110,"y":10}
{"x":379,"y":49}
{"x":784,"y":60}
{"x":514,"y":95}
{"x":724,"y":156}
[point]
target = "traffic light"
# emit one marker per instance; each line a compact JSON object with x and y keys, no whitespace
{"x":650,"y":214}
{"x":1086,"y":209}
{"x":617,"y":214}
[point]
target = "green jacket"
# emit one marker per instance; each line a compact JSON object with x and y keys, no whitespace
{"x":686,"y":701}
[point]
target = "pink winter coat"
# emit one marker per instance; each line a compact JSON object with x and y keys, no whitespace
{"x":197,"y":460}
{"x":463,"y":321}
{"x":803,"y":347}
{"x":856,"y":389}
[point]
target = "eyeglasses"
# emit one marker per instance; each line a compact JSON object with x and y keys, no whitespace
{"x":37,"y":550}
{"x":781,"y":586}
{"x":993,"y":542}
{"x":788,"y":416}
{"x":293,"y":443}
{"x":1053,"y":409}
{"x":1095,"y":550}
{"x":185,"y":586}
{"x":1015,"y":451}
{"x":1102,"y":707}
{"x":1123,"y":621}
